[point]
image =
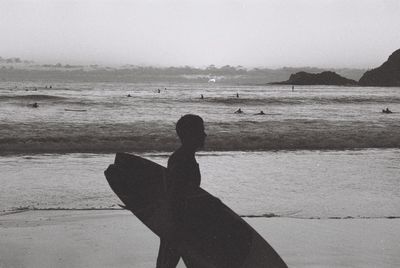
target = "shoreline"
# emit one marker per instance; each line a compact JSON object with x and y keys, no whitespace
{"x":119,"y":239}
{"x":244,"y":216}
{"x":300,"y":184}
{"x":203,"y":152}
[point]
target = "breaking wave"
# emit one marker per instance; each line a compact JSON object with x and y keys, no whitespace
{"x":304,"y":100}
{"x":228,"y":136}
{"x":37,"y":97}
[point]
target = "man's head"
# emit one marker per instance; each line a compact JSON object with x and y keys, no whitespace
{"x":190,"y":130}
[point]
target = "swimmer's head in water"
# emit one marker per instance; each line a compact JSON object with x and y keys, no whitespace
{"x":190,"y":130}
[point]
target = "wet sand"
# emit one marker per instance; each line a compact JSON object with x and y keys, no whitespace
{"x":118,"y":239}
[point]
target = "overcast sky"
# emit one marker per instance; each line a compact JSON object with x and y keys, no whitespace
{"x":269,"y":33}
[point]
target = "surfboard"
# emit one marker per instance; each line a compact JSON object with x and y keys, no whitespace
{"x":212,"y":234}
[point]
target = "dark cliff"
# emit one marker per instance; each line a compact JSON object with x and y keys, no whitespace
{"x":387,"y":75}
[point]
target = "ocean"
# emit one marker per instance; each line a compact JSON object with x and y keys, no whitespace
{"x":318,"y":152}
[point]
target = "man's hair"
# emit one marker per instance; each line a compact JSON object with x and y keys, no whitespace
{"x":188,"y":125}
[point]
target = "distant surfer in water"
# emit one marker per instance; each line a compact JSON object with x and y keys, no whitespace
{"x":238,"y":111}
{"x":183,"y":180}
{"x":260,"y":113}
{"x":386,"y":111}
{"x":35,"y":105}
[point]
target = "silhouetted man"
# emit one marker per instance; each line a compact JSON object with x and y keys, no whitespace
{"x":183,"y":180}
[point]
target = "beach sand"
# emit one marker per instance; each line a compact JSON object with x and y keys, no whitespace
{"x":118,"y":239}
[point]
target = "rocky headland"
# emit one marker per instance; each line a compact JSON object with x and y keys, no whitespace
{"x":387,"y":75}
{"x":324,"y":78}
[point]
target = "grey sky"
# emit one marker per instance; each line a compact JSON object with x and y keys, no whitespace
{"x":271,"y":33}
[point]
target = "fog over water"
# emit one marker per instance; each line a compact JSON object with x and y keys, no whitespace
{"x":356,"y":33}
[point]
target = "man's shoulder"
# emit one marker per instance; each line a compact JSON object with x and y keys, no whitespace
{"x":179,"y":157}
